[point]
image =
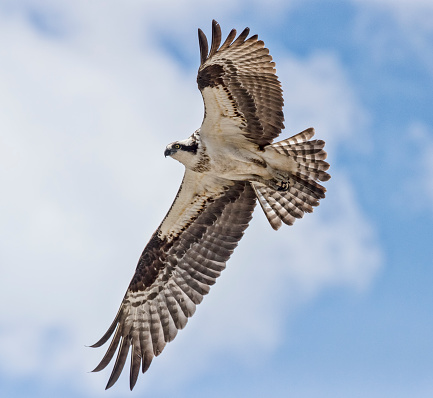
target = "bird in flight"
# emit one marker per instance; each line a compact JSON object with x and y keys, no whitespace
{"x":230,"y":163}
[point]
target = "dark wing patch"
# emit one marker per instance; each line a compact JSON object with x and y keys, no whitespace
{"x":245,"y":70}
{"x":172,"y":278}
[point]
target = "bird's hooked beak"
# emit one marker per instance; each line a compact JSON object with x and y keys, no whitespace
{"x":169,"y":150}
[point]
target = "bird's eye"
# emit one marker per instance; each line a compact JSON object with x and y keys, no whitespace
{"x":176,"y":146}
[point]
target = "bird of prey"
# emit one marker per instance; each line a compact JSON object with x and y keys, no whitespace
{"x":230,"y":162}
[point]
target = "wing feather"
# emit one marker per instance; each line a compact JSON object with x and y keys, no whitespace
{"x":176,"y":313}
{"x":181,"y":297}
{"x":183,"y":280}
{"x":111,"y":350}
{"x":135,"y":360}
{"x":216,"y":39}
{"x":146,"y":346}
{"x":238,"y":82}
{"x":168,"y":326}
{"x":241,"y":38}
{"x":120,"y":361}
{"x":228,"y":41}
{"x":156,"y":329}
{"x":176,"y":271}
{"x":203,"y":46}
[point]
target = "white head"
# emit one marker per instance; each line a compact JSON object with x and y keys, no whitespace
{"x":184,"y":151}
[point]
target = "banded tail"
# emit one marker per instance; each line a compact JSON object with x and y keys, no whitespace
{"x":303,"y":191}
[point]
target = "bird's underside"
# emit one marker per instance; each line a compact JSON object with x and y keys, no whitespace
{"x":230,"y":162}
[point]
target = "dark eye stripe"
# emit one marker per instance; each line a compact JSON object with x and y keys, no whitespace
{"x":190,"y":148}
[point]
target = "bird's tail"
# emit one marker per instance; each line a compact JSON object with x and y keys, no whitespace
{"x":303,"y":192}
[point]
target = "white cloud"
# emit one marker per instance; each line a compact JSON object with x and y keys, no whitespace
{"x":318,"y":93}
{"x":83,"y":116}
{"x":414,"y":20}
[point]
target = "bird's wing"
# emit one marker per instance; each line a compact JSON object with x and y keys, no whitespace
{"x":176,"y":269}
{"x":241,"y":93}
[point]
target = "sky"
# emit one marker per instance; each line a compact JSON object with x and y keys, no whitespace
{"x":338,"y":305}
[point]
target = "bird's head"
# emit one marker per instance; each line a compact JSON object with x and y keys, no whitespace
{"x":184,"y":151}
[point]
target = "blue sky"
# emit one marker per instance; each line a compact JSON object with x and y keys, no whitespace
{"x":339,"y":305}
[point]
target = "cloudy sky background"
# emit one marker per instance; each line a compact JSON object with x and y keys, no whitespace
{"x":339,"y":305}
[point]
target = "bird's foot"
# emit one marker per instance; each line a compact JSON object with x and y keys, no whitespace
{"x":283,"y":185}
{"x":278,"y":185}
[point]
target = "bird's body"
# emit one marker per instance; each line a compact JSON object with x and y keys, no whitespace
{"x":233,"y":160}
{"x":230,"y":163}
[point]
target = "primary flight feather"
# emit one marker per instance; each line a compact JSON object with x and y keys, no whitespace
{"x":230,"y":161}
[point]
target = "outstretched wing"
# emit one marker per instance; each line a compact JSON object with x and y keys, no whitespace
{"x":240,"y":90}
{"x":182,"y":260}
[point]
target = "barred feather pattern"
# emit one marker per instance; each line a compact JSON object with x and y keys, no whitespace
{"x":243,"y":108}
{"x":171,"y":280}
{"x":243,"y":69}
{"x":304,"y":191}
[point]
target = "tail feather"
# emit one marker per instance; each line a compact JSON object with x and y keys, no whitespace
{"x":262,"y":195}
{"x":303,"y":136}
{"x":306,"y":184}
{"x":300,"y":149}
{"x":277,"y":209}
{"x":308,"y":172}
{"x":297,"y":190}
{"x":319,"y":166}
{"x":280,"y":206}
{"x":304,"y":191}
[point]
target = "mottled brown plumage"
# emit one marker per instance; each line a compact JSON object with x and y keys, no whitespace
{"x":245,"y":68}
{"x":230,"y":161}
{"x":172,"y":278}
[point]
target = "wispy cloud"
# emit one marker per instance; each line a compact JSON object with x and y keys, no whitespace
{"x":414,"y":27}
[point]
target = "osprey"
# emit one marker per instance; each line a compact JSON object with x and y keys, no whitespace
{"x":230,"y":161}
